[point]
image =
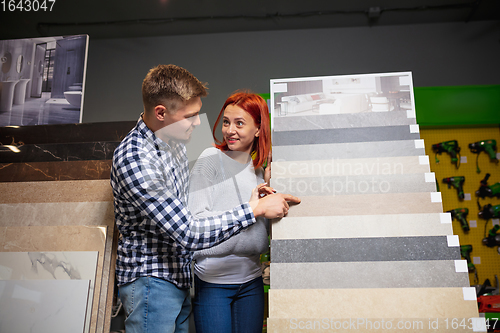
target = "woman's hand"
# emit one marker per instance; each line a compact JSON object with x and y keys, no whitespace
{"x":261,"y":191}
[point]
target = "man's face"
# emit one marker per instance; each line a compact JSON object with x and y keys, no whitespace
{"x":180,"y":125}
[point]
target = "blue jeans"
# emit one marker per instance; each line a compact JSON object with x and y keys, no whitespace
{"x":228,"y":308}
{"x":154,"y":305}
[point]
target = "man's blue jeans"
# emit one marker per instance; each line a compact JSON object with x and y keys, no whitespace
{"x":154,"y":305}
{"x":228,"y":308}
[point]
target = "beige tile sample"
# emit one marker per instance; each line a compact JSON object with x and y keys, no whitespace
{"x":59,"y":191}
{"x":371,"y":303}
{"x":357,"y":226}
{"x":57,"y":213}
{"x":356,"y":166}
{"x":366,"y":204}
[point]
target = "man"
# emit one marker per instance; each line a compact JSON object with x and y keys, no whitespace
{"x":150,"y":185}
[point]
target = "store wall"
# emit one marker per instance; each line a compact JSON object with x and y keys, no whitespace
{"x":448,"y":54}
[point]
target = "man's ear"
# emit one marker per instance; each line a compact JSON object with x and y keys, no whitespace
{"x":160,"y":111}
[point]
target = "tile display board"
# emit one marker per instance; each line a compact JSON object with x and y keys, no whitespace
{"x":57,"y":223}
{"x":369,"y":248}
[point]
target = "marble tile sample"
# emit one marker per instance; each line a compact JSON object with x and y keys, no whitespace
{"x":371,"y":303}
{"x":43,"y":305}
{"x":55,"y":171}
{"x":343,"y":135}
{"x":373,"y":325}
{"x":356,"y":166}
{"x":57,"y":214}
{"x":360,"y":226}
{"x":347,"y":150}
{"x":58,"y":152}
{"x":81,"y":265}
{"x":366,"y":274}
{"x":366,"y":204}
{"x":66,"y":133}
{"x":63,"y":238}
{"x":363,"y":249}
{"x":353,"y":184}
{"x":63,"y":191}
{"x":349,"y":120}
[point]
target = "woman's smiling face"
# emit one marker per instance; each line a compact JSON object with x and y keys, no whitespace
{"x":239,"y":129}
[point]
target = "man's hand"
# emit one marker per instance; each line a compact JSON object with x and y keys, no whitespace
{"x":273,"y":206}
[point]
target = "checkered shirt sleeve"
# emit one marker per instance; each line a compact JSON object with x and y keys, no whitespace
{"x":157,"y":232}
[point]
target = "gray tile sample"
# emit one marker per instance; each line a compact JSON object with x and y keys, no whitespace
{"x":352,"y":184}
{"x":349,"y":120}
{"x":363,"y":249}
{"x":347,"y":150}
{"x":374,"y":274}
{"x":344,"y":135}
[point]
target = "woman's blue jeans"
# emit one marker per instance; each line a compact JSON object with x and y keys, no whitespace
{"x":154,"y":305}
{"x":228,"y":308}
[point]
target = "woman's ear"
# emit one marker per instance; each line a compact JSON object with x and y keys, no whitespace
{"x":257,"y":133}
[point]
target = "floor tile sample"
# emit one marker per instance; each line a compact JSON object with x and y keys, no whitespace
{"x":374,"y":274}
{"x":358,"y":226}
{"x":56,"y":213}
{"x":63,"y":191}
{"x":334,"y":121}
{"x":81,"y":265}
{"x":353,"y":184}
{"x":363,"y":249}
{"x":43,"y":305}
{"x":63,"y":238}
{"x":344,"y":135}
{"x":349,"y":150}
{"x":371,"y":303}
{"x":55,"y":171}
{"x":357,"y":166}
{"x":367,"y":204}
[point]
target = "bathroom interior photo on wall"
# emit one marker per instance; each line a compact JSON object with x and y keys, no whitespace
{"x":42,"y":80}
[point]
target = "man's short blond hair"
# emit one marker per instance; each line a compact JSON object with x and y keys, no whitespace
{"x":170,"y":86}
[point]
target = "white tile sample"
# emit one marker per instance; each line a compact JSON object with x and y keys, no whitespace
{"x":43,"y":306}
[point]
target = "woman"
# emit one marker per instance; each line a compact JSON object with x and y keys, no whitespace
{"x":229,"y":293}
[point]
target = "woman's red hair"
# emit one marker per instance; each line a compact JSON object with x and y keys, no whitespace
{"x":256,"y":106}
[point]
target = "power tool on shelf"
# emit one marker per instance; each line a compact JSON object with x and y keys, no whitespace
{"x":488,"y":146}
{"x":457,"y":183}
{"x":465,"y":251}
{"x":460,"y":214}
{"x":489,"y":212}
{"x":486,"y":190}
{"x":451,"y":147}
{"x":492,"y":239}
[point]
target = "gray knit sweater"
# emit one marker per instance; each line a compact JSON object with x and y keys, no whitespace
{"x":219,"y":183}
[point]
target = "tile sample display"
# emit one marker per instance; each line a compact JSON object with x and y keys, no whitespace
{"x":43,"y":305}
{"x":369,"y":238}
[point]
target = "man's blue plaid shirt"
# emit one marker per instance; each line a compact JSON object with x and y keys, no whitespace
{"x":157,"y":233}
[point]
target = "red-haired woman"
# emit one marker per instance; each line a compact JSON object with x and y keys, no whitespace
{"x":229,"y":294}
